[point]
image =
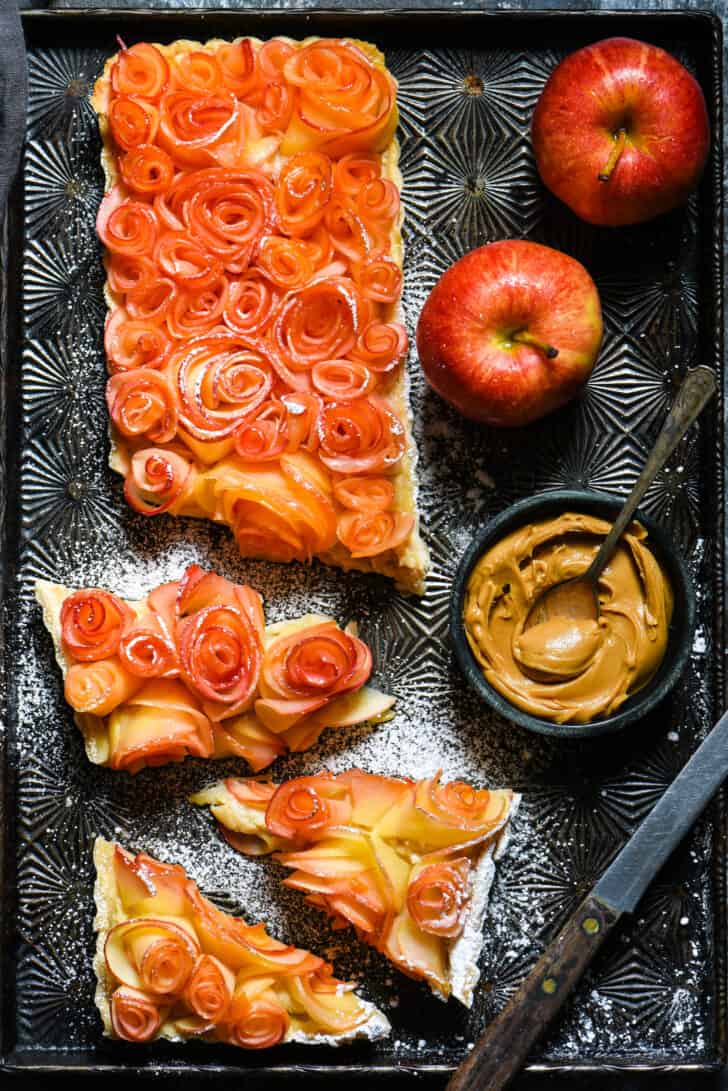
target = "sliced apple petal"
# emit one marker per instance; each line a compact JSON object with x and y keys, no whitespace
{"x":372,"y":796}
{"x":280,"y":715}
{"x":246,"y":737}
{"x":416,"y":953}
{"x":367,"y":705}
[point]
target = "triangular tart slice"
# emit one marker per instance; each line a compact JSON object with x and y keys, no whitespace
{"x":192,"y":669}
{"x":169,"y":964}
{"x":408,"y":864}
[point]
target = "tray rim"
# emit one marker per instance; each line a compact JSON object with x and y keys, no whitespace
{"x":23,"y":1061}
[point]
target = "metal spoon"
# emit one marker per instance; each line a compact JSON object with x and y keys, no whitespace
{"x":578,"y":598}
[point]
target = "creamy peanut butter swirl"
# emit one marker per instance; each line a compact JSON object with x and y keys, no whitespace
{"x":567,"y":670}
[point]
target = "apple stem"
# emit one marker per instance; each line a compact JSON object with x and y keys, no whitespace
{"x":619,"y":146}
{"x":524,"y":338}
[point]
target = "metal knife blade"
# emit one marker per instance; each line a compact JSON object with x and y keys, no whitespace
{"x":630,"y":873}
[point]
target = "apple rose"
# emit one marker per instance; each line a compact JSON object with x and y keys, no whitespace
{"x":98,"y":688}
{"x":303,"y":191}
{"x":306,"y":807}
{"x":263,"y":436}
{"x":126,"y":226}
{"x":255,"y":1024}
{"x":129,"y":271}
{"x":278,"y":510}
{"x":133,"y":121}
{"x":381,"y":345}
{"x":131,"y":344}
{"x":239,"y":65}
{"x":219,"y":378}
{"x":157,"y":479}
{"x":252,"y":302}
{"x":220,"y":657}
{"x":186,"y":261}
{"x":92,"y":624}
{"x":199,"y":589}
{"x":209,"y":989}
{"x":135,"y":1017}
{"x":194,"y":127}
{"x":437,"y":895}
{"x":197,"y":70}
{"x":147,"y":169}
{"x":276,"y":106}
{"x":353,"y":171}
{"x":199,"y":309}
{"x":362,"y":436}
{"x":147,"y":652}
{"x":455,"y":801}
{"x":151,"y":302}
{"x":304,"y":671}
{"x":140,"y":70}
{"x":141,"y":403}
{"x":152,"y":953}
{"x":287,"y":262}
{"x":378,"y":279}
{"x":342,"y":380}
{"x":349,"y":235}
{"x":317,"y":323}
{"x":227,"y":211}
{"x":445,"y":815}
{"x":345,"y":102}
{"x":369,"y":533}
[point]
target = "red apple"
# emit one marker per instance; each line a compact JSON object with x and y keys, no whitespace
{"x":510,"y":332}
{"x":621,"y":132}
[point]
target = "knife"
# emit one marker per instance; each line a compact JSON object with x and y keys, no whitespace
{"x":503,"y":1048}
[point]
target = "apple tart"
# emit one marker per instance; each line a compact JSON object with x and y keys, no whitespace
{"x":407,"y":863}
{"x":169,"y":964}
{"x":254,"y":260}
{"x":193,"y":669}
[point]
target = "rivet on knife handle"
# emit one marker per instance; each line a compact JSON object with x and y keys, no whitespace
{"x":502,"y":1050}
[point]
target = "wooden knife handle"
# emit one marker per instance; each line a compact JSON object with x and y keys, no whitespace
{"x":502,"y":1049}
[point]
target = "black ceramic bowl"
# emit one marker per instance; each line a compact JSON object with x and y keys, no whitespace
{"x":680,"y":636}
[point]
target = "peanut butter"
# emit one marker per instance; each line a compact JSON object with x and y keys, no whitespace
{"x":567,"y":670}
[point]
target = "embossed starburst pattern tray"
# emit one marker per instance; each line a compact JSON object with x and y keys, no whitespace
{"x":468,"y":83}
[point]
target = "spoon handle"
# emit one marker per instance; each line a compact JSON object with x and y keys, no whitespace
{"x":697,"y":389}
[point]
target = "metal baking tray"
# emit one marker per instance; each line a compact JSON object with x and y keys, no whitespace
{"x":656,"y":997}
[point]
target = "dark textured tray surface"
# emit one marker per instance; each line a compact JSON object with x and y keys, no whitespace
{"x":469,"y":178}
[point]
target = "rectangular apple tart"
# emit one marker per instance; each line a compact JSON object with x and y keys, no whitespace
{"x":169,"y":964}
{"x":193,"y":669}
{"x":408,"y":864}
{"x":254,"y":262}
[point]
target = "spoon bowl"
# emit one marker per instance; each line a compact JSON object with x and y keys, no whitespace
{"x":549,"y":505}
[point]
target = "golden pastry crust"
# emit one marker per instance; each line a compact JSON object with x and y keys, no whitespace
{"x":409,"y":563}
